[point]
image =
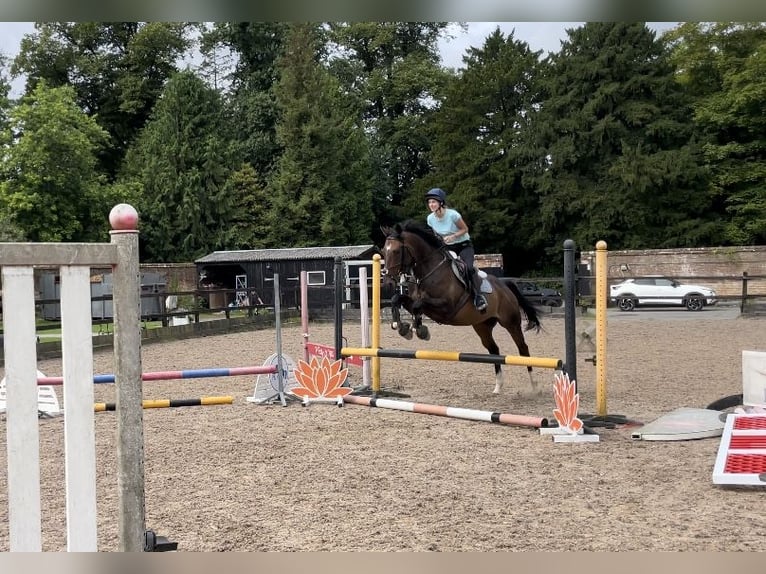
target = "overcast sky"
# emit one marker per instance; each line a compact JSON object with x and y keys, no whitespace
{"x":545,"y":36}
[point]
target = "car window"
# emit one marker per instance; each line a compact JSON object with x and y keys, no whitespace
{"x":662,"y":282}
{"x":645,"y":281}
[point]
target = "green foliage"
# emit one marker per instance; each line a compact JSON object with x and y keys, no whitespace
{"x":250,"y":216}
{"x":621,"y":163}
{"x":182,"y":164}
{"x":251,"y":104}
{"x":49,"y":186}
{"x":724,"y":64}
{"x":117,"y":69}
{"x":394,"y":67}
{"x":481,"y":144}
{"x":320,"y":192}
{"x":318,"y":136}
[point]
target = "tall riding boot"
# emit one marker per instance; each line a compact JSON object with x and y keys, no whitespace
{"x":479,"y":301}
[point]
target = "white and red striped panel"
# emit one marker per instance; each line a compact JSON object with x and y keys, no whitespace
{"x":742,"y":453}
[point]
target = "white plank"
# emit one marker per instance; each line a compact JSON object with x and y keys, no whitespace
{"x":79,"y":423}
{"x":23,"y":435}
{"x":87,"y":254}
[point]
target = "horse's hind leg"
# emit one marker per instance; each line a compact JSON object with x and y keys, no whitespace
{"x":518,"y":337}
{"x":484,"y":331}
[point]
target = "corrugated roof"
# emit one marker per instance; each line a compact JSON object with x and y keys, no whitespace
{"x":295,"y":253}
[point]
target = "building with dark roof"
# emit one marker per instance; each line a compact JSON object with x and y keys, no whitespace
{"x":251,"y":273}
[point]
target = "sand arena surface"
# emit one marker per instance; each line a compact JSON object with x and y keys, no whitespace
{"x":246,"y":477}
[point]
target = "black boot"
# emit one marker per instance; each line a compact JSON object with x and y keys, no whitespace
{"x":479,"y":300}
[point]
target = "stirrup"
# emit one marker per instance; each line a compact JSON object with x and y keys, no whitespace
{"x":480,"y":302}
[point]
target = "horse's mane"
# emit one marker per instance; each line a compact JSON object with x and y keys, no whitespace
{"x":423,"y":231}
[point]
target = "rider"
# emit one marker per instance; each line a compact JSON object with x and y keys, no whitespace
{"x":449,"y":224}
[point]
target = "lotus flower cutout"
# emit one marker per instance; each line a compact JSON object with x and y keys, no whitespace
{"x":320,"y":379}
{"x":567,"y":403}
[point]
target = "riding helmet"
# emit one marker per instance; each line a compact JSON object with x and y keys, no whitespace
{"x":438,"y":194}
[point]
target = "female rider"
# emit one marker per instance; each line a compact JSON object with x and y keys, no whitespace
{"x":449,"y":224}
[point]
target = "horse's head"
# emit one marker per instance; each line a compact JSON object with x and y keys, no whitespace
{"x":396,"y":260}
{"x":407,"y":245}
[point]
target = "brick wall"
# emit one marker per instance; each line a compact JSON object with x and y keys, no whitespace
{"x":718,"y":267}
{"x":489,"y":261}
{"x":179,"y":276}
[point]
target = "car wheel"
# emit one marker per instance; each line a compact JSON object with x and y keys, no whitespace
{"x":694,"y":303}
{"x":626,"y":304}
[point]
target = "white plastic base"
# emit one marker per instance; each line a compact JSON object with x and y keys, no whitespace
{"x":47,"y":400}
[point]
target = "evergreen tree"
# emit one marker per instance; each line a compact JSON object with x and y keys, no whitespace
{"x":481,"y":147}
{"x":321,"y":189}
{"x":182,"y":162}
{"x":619,"y":161}
{"x":250,"y":219}
{"x":251,"y":103}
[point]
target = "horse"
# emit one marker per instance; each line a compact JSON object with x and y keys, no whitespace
{"x":433,"y":282}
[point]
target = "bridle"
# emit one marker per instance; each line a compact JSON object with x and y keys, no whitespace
{"x":408,"y":264}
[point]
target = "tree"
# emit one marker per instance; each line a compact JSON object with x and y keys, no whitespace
{"x":394,"y":66}
{"x":480,"y":148}
{"x":320,"y":190}
{"x":251,"y":105}
{"x":723,"y":65}
{"x":118,"y":70}
{"x":5,"y":90}
{"x":249,"y":228}
{"x":619,"y":160}
{"x":182,"y":162}
{"x":49,"y":188}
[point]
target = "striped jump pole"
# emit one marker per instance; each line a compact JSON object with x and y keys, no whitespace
{"x":540,"y":362}
{"x":168,"y":403}
{"x":173,"y":375}
{"x":453,"y":412}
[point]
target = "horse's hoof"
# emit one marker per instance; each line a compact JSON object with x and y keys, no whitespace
{"x":408,"y":335}
{"x":405,"y":329}
{"x":422,"y":333}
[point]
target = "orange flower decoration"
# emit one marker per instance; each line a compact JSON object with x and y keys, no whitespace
{"x":320,"y":379}
{"x":567,"y":403}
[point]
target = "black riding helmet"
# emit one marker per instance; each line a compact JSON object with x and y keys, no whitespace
{"x":437,"y":194}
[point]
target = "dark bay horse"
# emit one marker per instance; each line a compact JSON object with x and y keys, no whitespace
{"x":419,"y":261}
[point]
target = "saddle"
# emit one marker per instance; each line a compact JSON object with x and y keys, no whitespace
{"x":460,"y":271}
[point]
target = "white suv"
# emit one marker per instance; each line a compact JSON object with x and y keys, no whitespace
{"x":660,"y":291}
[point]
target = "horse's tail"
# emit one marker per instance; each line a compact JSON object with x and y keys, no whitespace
{"x":533,"y":321}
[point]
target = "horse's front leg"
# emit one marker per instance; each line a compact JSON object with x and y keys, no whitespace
{"x":417,"y":315}
{"x":398,"y":301}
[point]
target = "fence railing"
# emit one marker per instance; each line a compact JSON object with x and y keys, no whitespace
{"x":746,"y":290}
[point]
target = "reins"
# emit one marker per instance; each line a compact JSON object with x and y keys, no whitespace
{"x":415,"y":263}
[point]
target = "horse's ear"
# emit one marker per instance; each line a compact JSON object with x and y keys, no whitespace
{"x":386,"y":230}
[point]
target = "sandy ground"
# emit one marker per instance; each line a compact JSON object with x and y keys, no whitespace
{"x":247,"y":477}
